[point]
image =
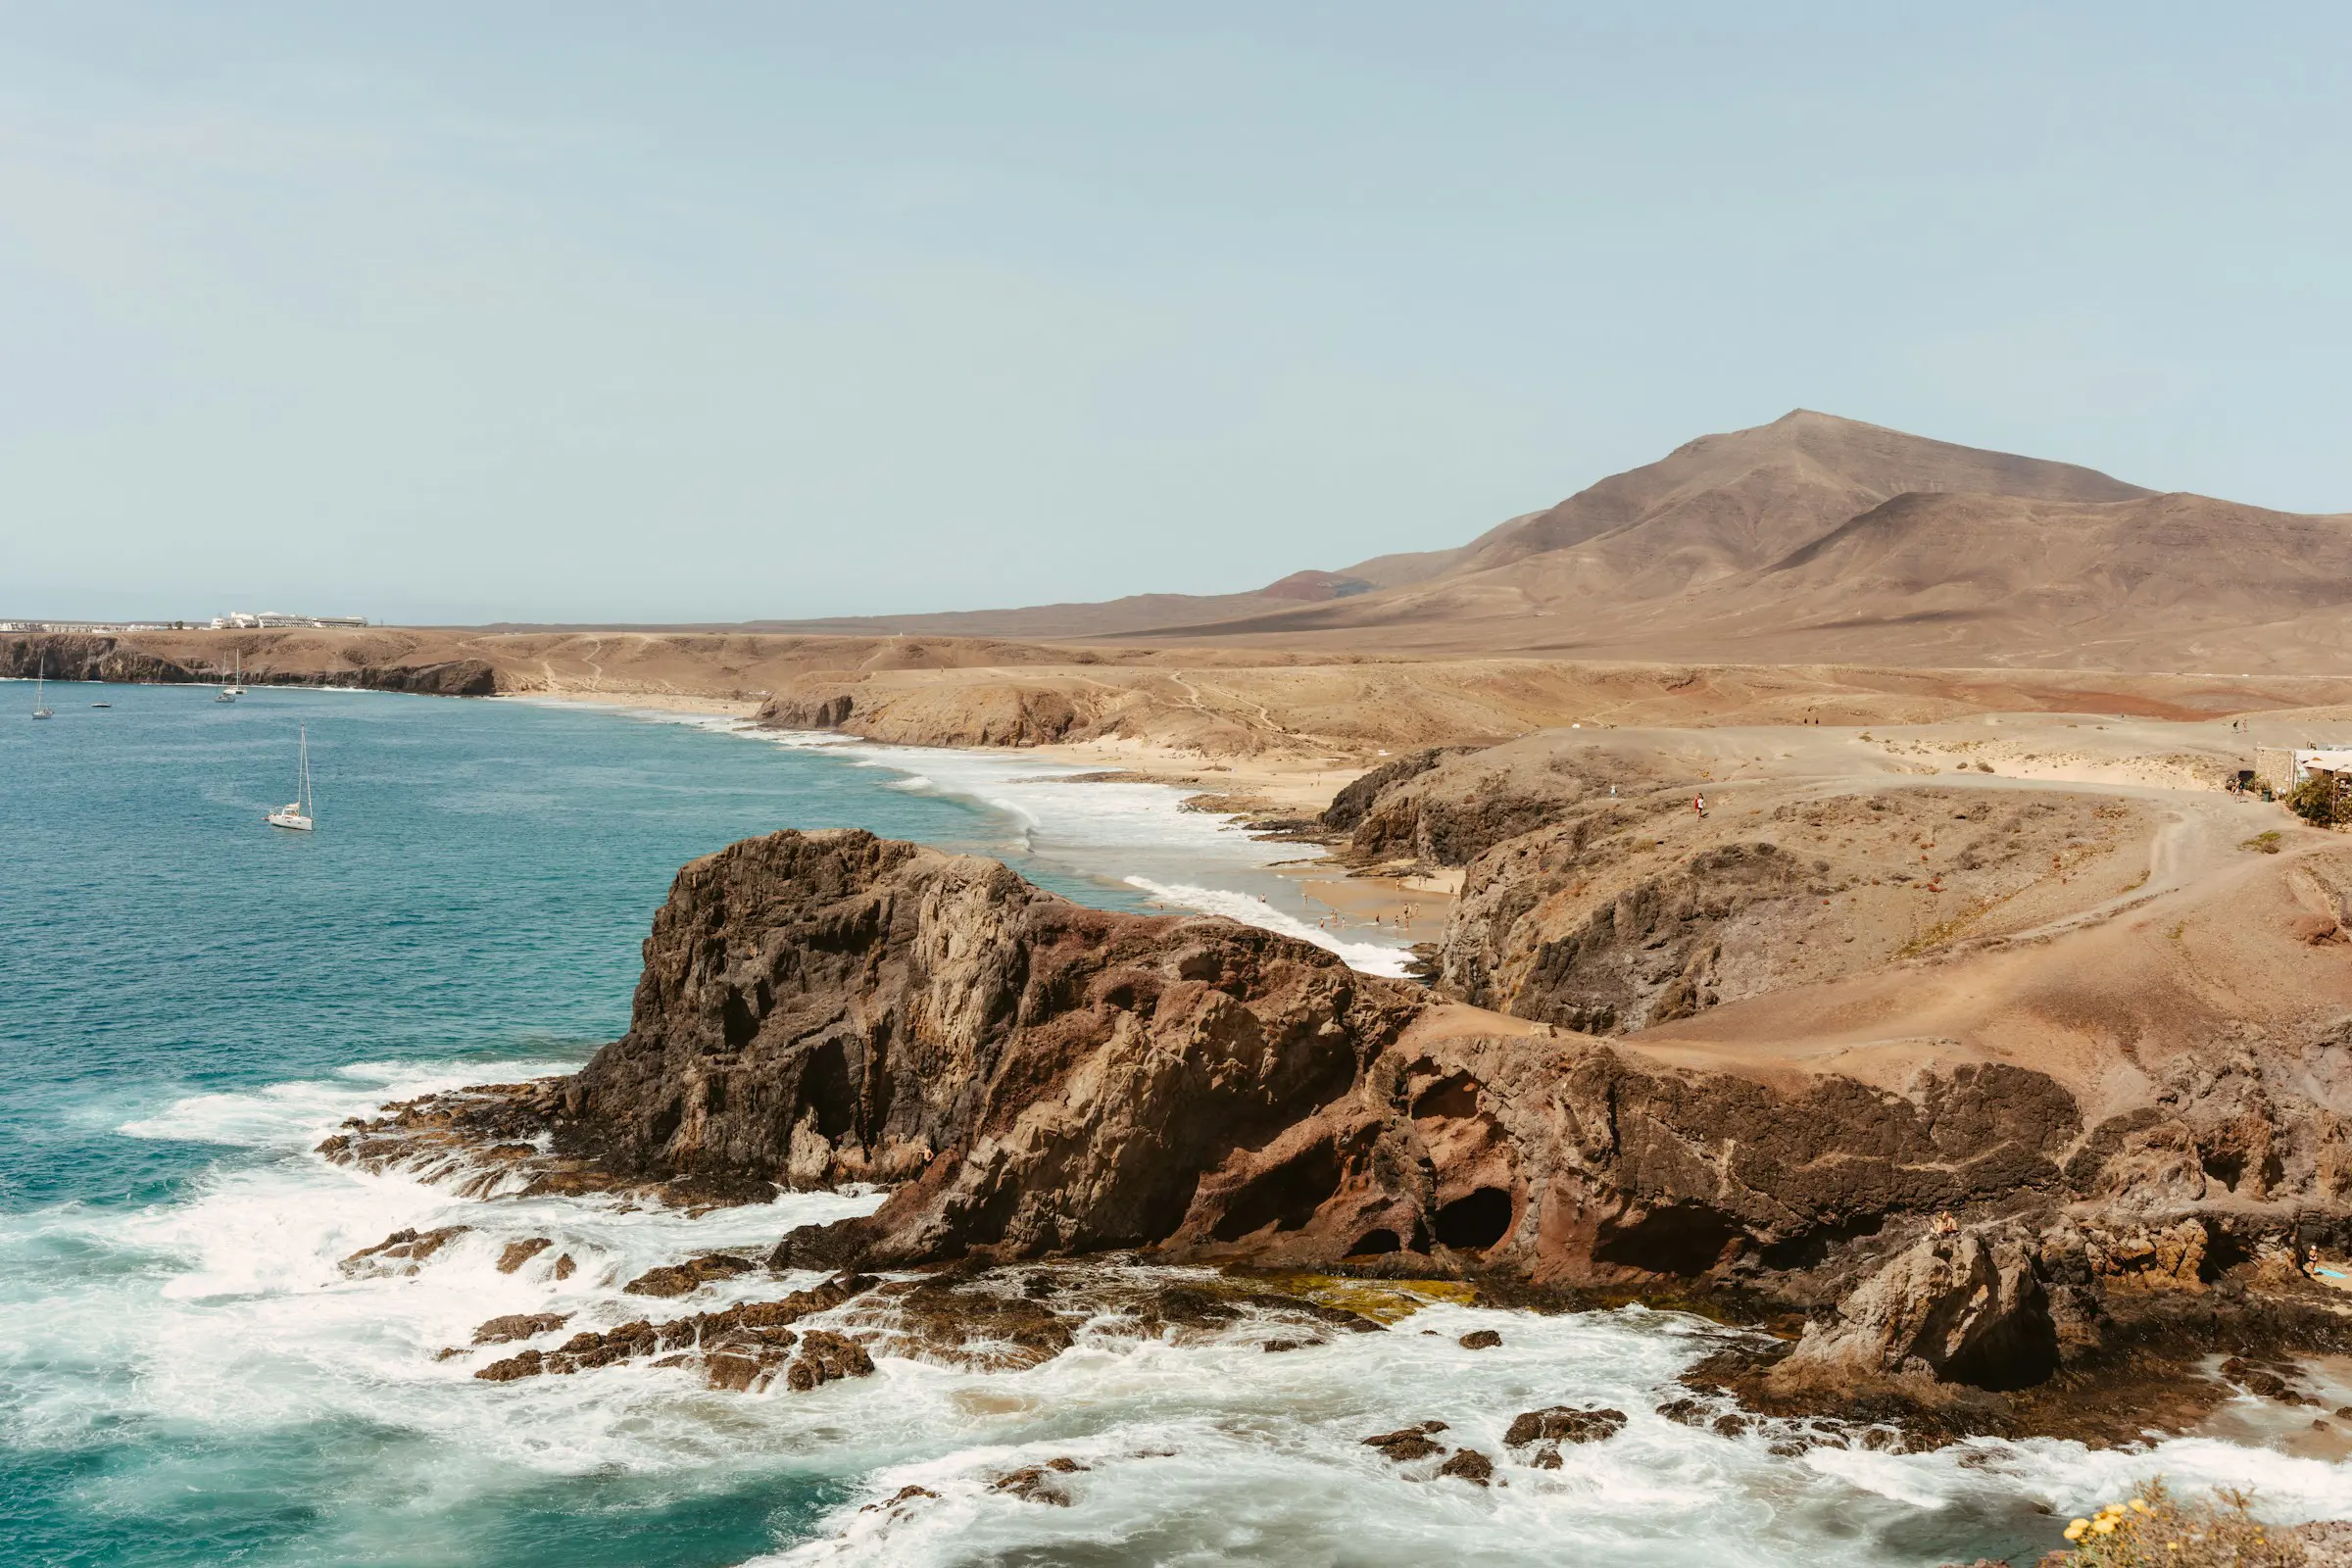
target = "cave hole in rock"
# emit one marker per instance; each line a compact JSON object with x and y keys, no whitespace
{"x":825,"y":1088}
{"x":1476,"y":1222}
{"x":1285,"y":1197}
{"x":2224,"y":1250}
{"x":1373,"y":1244}
{"x":1452,"y":1097}
{"x":736,"y":1021}
{"x":2225,"y":1165}
{"x":1678,"y":1239}
{"x":665,"y":1122}
{"x":2024,"y":1353}
{"x":1811,"y":1249}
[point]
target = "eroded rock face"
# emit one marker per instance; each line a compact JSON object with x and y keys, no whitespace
{"x":1968,"y":1307}
{"x":1042,"y":1078}
{"x":826,"y":1007}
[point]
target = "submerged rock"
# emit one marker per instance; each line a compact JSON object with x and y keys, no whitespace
{"x":745,"y":1348}
{"x":1407,"y":1443}
{"x":1563,"y":1423}
{"x":1468,"y":1464}
{"x":519,"y":1326}
{"x":517,"y":1254}
{"x":1036,"y":1483}
{"x":683,"y":1279}
{"x":401,"y":1252}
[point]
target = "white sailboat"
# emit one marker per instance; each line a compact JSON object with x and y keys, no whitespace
{"x":40,"y":684}
{"x":297,"y":812}
{"x":233,"y":690}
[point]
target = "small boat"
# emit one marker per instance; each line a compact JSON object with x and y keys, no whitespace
{"x":102,"y":705}
{"x":232,"y":691}
{"x":40,"y":684}
{"x":297,"y":814}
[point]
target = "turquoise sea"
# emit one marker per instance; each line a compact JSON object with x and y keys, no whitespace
{"x":189,"y":1001}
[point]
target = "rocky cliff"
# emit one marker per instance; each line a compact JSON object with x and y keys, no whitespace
{"x":1044,"y":1078}
{"x":1039,"y":1080}
{"x":100,"y":657}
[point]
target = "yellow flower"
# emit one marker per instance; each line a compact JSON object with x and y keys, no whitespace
{"x":2105,"y":1526}
{"x":2074,"y":1532}
{"x":2140,"y":1505}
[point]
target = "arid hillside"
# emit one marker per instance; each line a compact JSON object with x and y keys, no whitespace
{"x":1811,"y":539}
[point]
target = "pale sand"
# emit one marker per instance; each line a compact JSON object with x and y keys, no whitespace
{"x":653,"y":701}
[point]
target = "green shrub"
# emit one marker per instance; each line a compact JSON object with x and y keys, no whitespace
{"x":2317,"y":802}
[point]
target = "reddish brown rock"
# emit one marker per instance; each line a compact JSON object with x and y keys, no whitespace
{"x":683,"y":1279}
{"x":517,"y":1254}
{"x":1468,"y":1464}
{"x":519,"y":1326}
{"x":1564,"y":1423}
{"x":401,"y":1252}
{"x":1036,"y":1483}
{"x":1407,"y":1443}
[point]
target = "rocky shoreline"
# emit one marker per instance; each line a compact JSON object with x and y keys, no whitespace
{"x":1042,"y":1086}
{"x":99,"y":657}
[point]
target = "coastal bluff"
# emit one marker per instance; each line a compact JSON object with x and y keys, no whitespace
{"x":1036,"y":1081}
{"x":1042,"y":1079}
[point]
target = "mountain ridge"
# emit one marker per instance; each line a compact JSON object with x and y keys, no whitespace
{"x":1780,"y":541}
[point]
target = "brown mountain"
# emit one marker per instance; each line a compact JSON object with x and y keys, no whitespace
{"x":1811,"y":539}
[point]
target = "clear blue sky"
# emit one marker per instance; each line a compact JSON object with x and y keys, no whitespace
{"x":480,"y":311}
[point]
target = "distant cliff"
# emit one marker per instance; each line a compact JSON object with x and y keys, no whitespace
{"x":100,"y":656}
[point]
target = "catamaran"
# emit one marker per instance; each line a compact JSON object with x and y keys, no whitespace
{"x":296,"y":813}
{"x":40,"y":684}
{"x":233,"y":690}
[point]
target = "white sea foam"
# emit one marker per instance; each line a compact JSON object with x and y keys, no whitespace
{"x":1220,"y":1453}
{"x":225,"y":1313}
{"x":1369,"y":957}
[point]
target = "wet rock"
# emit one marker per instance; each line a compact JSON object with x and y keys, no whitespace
{"x":528,"y":1364}
{"x":564,"y":1267}
{"x":683,"y":1279}
{"x":1481,"y":1339}
{"x":744,"y":1348}
{"x":731,"y":1372}
{"x":2263,"y":1382}
{"x":1564,"y":1423}
{"x":1966,"y":1307}
{"x":825,"y":1356}
{"x":966,"y":1324}
{"x":401,"y":1252}
{"x":517,"y":1254}
{"x":1547,"y":1458}
{"x":1686,"y":1411}
{"x":1468,"y":1464}
{"x":519,"y":1326}
{"x":1407,"y":1443}
{"x":1276,"y":1347}
{"x":1036,"y":1483}
{"x":907,"y":1493}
